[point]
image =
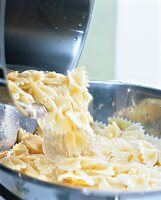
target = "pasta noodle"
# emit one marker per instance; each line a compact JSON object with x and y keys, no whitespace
{"x":69,"y":147}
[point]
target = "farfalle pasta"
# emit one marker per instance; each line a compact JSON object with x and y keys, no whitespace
{"x":69,"y":147}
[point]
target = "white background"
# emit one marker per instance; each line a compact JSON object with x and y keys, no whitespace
{"x":124,"y":42}
{"x":138,"y":41}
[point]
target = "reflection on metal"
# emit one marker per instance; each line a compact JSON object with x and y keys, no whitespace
{"x":9,"y":123}
{"x":136,"y":103}
{"x":147,"y":112}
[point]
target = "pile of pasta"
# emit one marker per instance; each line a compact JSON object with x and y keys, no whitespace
{"x":69,"y":147}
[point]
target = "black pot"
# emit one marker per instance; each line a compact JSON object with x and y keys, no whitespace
{"x":45,"y":34}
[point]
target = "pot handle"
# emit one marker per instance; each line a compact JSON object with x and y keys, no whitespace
{"x":2,"y":19}
{"x":4,"y":91}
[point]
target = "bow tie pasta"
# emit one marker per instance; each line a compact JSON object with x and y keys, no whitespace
{"x":69,"y":147}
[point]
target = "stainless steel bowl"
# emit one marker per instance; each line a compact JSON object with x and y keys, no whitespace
{"x":109,"y":98}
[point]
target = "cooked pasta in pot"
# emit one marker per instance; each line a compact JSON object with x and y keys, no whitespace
{"x":69,"y":147}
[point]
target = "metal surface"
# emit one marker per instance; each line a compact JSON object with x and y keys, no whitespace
{"x":46,"y":34}
{"x":136,"y":103}
{"x":109,"y":99}
{"x":10,"y":121}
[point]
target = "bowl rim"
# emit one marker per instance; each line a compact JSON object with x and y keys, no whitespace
{"x":124,"y":83}
{"x":89,"y":191}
